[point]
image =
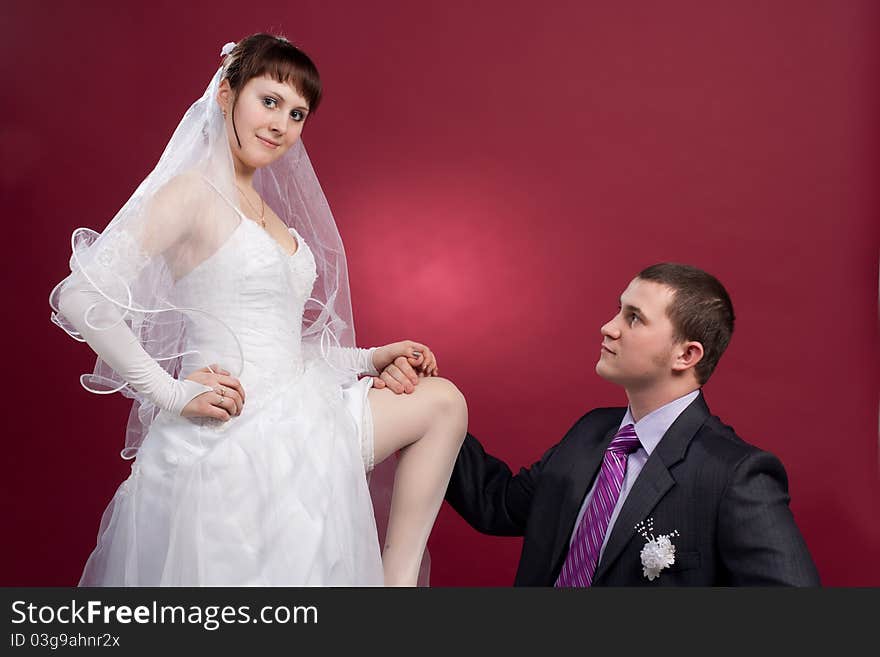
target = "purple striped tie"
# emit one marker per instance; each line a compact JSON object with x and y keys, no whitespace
{"x":583,"y":555}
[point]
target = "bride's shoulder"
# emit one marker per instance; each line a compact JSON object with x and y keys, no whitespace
{"x":186,"y":187}
{"x":188,"y":194}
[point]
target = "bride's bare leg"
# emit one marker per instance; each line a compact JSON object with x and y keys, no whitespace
{"x":428,"y":426}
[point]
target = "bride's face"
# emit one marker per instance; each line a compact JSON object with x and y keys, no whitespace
{"x":269,"y":118}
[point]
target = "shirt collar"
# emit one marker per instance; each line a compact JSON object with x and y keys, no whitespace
{"x":650,"y":429}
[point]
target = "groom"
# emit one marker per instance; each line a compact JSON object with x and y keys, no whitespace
{"x":607,"y":504}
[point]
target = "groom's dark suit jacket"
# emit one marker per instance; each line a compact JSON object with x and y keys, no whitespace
{"x":727,"y":499}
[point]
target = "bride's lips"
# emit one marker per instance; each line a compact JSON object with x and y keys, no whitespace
{"x":267,"y":143}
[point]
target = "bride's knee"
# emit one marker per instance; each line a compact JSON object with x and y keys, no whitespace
{"x":448,"y":401}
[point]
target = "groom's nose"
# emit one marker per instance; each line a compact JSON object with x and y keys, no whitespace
{"x":610,"y":330}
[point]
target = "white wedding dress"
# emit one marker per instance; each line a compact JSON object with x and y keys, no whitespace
{"x":277,"y":496}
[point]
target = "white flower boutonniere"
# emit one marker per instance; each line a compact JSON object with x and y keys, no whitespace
{"x":659,"y":552}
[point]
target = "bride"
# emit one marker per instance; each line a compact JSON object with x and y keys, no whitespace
{"x":217,"y":299}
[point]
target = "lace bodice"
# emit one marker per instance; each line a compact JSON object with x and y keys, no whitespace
{"x":259,"y":292}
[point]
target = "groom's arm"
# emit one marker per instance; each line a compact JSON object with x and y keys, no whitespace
{"x":488,"y":495}
{"x":758,"y":541}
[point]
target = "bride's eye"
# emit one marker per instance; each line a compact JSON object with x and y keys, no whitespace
{"x":297,"y":116}
{"x":269,"y":101}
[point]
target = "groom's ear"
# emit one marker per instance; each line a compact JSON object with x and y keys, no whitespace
{"x":686,"y":355}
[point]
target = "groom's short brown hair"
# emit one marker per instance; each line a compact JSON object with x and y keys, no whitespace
{"x":700,"y":310}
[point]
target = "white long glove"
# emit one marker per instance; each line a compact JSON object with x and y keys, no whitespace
{"x":354,"y":359}
{"x":121,"y":350}
{"x":348,"y":359}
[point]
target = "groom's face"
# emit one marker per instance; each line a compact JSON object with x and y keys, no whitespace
{"x":637,"y":343}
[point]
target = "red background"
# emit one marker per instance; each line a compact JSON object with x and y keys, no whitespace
{"x":499,"y":171}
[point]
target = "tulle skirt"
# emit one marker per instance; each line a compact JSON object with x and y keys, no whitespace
{"x":277,"y":496}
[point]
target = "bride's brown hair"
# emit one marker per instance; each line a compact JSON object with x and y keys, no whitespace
{"x":266,"y":54}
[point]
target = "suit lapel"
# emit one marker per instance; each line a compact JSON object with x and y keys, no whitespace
{"x":654,"y":481}
{"x":585,"y":463}
{"x":651,"y":485}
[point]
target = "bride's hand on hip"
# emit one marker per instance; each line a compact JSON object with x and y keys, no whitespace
{"x":224,"y":401}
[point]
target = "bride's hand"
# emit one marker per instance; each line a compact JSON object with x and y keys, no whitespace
{"x":226,"y":399}
{"x":401,"y":364}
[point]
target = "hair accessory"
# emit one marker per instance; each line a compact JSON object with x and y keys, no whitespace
{"x":227,"y":48}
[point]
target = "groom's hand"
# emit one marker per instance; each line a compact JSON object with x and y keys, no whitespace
{"x":400,"y":377}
